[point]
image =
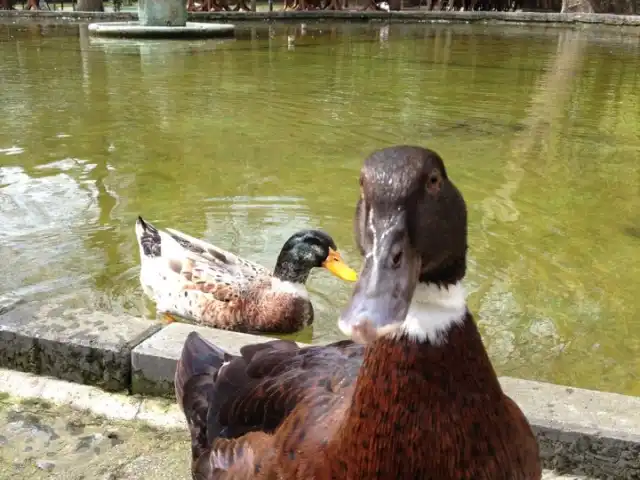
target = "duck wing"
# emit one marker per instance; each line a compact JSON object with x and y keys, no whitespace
{"x":234,"y":403}
{"x":231,"y":458}
{"x":204,"y":266}
{"x":212,"y":270}
{"x":217,"y":257}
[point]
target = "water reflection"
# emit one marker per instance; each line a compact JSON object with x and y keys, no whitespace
{"x":548,"y":105}
{"x":245,"y":141}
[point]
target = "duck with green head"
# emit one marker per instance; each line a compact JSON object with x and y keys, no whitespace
{"x":210,"y":286}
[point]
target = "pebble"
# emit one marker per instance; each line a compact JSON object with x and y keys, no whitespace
{"x":45,"y":465}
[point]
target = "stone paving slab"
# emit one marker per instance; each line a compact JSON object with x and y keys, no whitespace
{"x":84,"y":347}
{"x":157,"y":412}
{"x":42,"y":440}
{"x":582,"y":431}
{"x":154,"y":361}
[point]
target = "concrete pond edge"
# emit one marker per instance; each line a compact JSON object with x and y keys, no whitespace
{"x":405,"y":16}
{"x":122,"y":366}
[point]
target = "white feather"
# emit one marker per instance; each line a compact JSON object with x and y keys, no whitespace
{"x":281,"y":286}
{"x":434,"y":310}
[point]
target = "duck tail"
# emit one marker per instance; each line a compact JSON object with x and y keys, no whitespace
{"x":199,"y":358}
{"x":148,"y":237}
{"x":195,"y":379}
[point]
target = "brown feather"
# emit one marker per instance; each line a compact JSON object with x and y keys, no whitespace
{"x":309,"y":414}
{"x":440,"y":409}
{"x":256,"y":391}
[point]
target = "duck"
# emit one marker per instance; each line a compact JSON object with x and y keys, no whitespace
{"x":209,"y":286}
{"x":410,"y":393}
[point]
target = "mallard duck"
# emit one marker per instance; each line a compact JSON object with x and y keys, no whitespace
{"x":412,"y":394}
{"x":203,"y":283}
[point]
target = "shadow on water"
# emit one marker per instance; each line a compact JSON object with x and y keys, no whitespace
{"x":633,"y":232}
{"x":245,"y":141}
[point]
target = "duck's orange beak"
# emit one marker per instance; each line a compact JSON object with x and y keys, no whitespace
{"x":335,"y":265}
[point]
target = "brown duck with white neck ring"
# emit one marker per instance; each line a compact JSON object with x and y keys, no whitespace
{"x":418,"y":398}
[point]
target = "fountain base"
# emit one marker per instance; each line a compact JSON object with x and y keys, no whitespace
{"x":136,"y":30}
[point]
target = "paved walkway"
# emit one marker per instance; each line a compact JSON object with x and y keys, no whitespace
{"x":43,"y":439}
{"x":39,"y":440}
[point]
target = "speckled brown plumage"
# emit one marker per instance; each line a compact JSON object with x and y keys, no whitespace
{"x":252,"y":308}
{"x":203,"y":283}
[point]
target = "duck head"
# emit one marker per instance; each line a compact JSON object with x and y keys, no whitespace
{"x":308,"y":249}
{"x":411,"y":228}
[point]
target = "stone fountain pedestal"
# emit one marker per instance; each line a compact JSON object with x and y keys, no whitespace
{"x":161,"y":19}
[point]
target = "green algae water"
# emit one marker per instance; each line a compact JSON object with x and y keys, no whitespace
{"x":244,"y":141}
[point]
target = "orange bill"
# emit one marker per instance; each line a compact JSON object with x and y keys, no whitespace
{"x":335,"y":265}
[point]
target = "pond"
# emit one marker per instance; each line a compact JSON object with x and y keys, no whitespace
{"x":244,"y":141}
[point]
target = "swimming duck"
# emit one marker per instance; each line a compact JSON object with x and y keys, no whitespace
{"x":198,"y":281}
{"x":412,"y":394}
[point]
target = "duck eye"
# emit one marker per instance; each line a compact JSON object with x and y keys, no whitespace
{"x":396,"y":258}
{"x":433,"y":181}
